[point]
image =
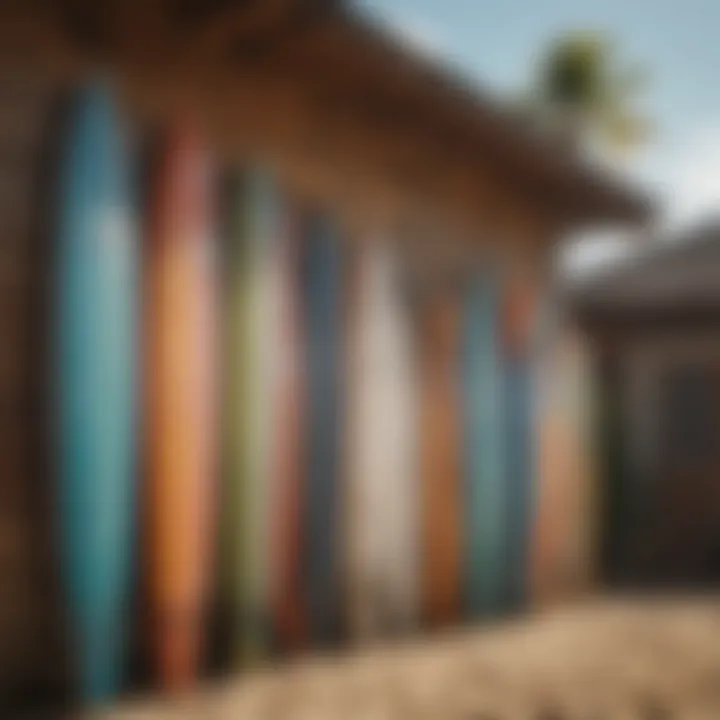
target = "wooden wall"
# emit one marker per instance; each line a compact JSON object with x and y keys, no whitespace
{"x":337,"y":116}
{"x":353,"y":177}
{"x":30,"y":640}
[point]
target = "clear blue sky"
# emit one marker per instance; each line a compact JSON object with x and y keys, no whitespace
{"x":678,"y":41}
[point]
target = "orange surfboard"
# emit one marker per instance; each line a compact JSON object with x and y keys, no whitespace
{"x":180,"y":320}
{"x":440,"y":442}
{"x":563,"y":536}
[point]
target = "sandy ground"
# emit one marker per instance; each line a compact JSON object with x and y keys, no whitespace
{"x":644,"y":660}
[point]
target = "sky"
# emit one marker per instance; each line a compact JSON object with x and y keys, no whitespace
{"x":496,"y":43}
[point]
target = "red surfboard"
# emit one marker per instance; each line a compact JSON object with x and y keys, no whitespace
{"x":287,"y":583}
{"x":180,"y":325}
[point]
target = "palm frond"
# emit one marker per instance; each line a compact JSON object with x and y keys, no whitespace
{"x":583,"y":87}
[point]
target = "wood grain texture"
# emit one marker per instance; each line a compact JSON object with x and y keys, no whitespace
{"x":364,"y":163}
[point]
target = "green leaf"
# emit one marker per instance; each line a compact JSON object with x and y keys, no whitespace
{"x":583,"y":84}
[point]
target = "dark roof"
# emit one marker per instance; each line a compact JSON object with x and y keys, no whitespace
{"x":665,"y":272}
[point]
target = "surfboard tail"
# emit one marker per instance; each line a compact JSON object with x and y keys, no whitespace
{"x":101,"y":666}
{"x":179,"y":647}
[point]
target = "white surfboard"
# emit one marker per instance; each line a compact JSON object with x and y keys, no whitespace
{"x":381,"y":495}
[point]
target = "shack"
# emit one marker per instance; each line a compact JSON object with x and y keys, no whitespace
{"x":654,"y":321}
{"x":340,"y":109}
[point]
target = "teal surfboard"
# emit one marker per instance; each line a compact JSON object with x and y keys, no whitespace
{"x":95,"y":369}
{"x":484,"y":444}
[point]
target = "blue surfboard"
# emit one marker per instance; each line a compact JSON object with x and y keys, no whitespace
{"x":520,"y":453}
{"x":519,"y":463}
{"x":484,"y":451}
{"x":95,"y":370}
{"x":322,"y":282}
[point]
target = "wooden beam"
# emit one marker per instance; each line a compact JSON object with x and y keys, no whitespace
{"x":211,"y":36}
{"x":296,"y":28}
{"x":371,"y":147}
{"x":360,"y":89}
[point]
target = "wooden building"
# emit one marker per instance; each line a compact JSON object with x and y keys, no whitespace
{"x":342,"y":112}
{"x":653,"y":322}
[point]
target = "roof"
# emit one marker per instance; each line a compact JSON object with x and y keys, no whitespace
{"x":551,"y":168}
{"x":667,"y":274}
{"x":349,"y":67}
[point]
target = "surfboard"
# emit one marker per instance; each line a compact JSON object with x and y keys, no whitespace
{"x":381,"y":516}
{"x":579,"y":550}
{"x":95,"y":379}
{"x":324,"y":360}
{"x":252,"y":335}
{"x":564,"y":537}
{"x":289,"y":615}
{"x":484,"y":491}
{"x":181,"y":421}
{"x":520,"y":438}
{"x":554,"y":467}
{"x":440,"y":457}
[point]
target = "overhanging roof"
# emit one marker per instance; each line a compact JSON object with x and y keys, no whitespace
{"x":665,"y":275}
{"x":352,"y":68}
{"x":550,"y":169}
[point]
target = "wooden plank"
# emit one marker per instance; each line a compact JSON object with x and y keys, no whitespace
{"x":213,"y":35}
{"x":25,"y":599}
